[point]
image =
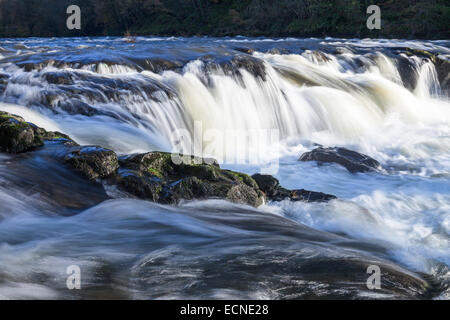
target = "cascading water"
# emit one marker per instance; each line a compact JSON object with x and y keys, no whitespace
{"x":366,"y":95}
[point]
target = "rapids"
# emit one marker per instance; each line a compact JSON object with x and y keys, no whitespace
{"x":255,"y":105}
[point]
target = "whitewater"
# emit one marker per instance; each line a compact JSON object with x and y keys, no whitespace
{"x":383,"y":98}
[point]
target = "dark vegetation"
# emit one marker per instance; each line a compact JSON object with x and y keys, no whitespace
{"x":300,"y":18}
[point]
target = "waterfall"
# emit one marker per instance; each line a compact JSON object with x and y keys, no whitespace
{"x":316,"y":96}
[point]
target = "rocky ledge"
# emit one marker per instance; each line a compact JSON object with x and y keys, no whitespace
{"x":155,"y":176}
{"x":351,"y":160}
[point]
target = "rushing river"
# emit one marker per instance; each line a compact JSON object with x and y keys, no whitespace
{"x":379,"y":97}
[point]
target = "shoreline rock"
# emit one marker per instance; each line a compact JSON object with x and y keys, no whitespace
{"x":353,"y":161}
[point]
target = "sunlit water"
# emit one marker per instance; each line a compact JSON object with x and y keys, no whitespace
{"x":120,"y":95}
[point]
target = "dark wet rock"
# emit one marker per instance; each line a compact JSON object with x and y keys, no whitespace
{"x":193,"y":178}
{"x":74,"y":106}
{"x":318,"y":57}
{"x":310,"y":196}
{"x":194,"y":188}
{"x":167,"y":165}
{"x":60,"y":78}
{"x":233,"y":66}
{"x":296,"y":77}
{"x":268,"y":184}
{"x":244,"y":50}
{"x":252,"y":65}
{"x":3,"y":82}
{"x":94,"y":162}
{"x":443,"y":71}
{"x":28,"y":66}
{"x":351,"y":160}
{"x":444,"y":175}
{"x":3,"y":78}
{"x":442,"y":65}
{"x":16,"y":135}
{"x":278,"y":51}
{"x":139,"y":185}
{"x":55,"y":135}
{"x":274,"y":192}
{"x":407,"y":72}
{"x":420,"y":53}
{"x":158,"y":65}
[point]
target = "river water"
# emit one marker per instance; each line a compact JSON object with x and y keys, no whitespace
{"x":379,"y":97}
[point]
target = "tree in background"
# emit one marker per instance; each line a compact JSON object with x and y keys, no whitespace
{"x":301,"y":18}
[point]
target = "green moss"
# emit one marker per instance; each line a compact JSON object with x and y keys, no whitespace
{"x":155,"y":172}
{"x":158,"y":189}
{"x":15,"y":125}
{"x":241,"y":176}
{"x":237,"y":175}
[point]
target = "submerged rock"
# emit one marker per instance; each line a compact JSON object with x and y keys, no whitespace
{"x":94,"y":162}
{"x":273,"y":191}
{"x":351,"y":160}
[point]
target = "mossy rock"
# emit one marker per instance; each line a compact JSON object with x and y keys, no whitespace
{"x":16,"y":135}
{"x":186,"y":178}
{"x":92,"y":161}
{"x":194,"y":188}
{"x":139,"y":186}
{"x":166,"y":165}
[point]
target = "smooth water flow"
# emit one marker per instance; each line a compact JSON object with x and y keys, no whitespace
{"x":246,"y":102}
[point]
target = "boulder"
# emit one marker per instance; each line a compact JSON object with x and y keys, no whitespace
{"x":271,"y":187}
{"x":441,"y":63}
{"x":92,"y":161}
{"x":60,"y":78}
{"x":246,"y":50}
{"x":273,"y":191}
{"x":16,"y":135}
{"x":157,"y":176}
{"x":233,"y":66}
{"x":310,"y":196}
{"x":138,"y":185}
{"x":351,"y":160}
